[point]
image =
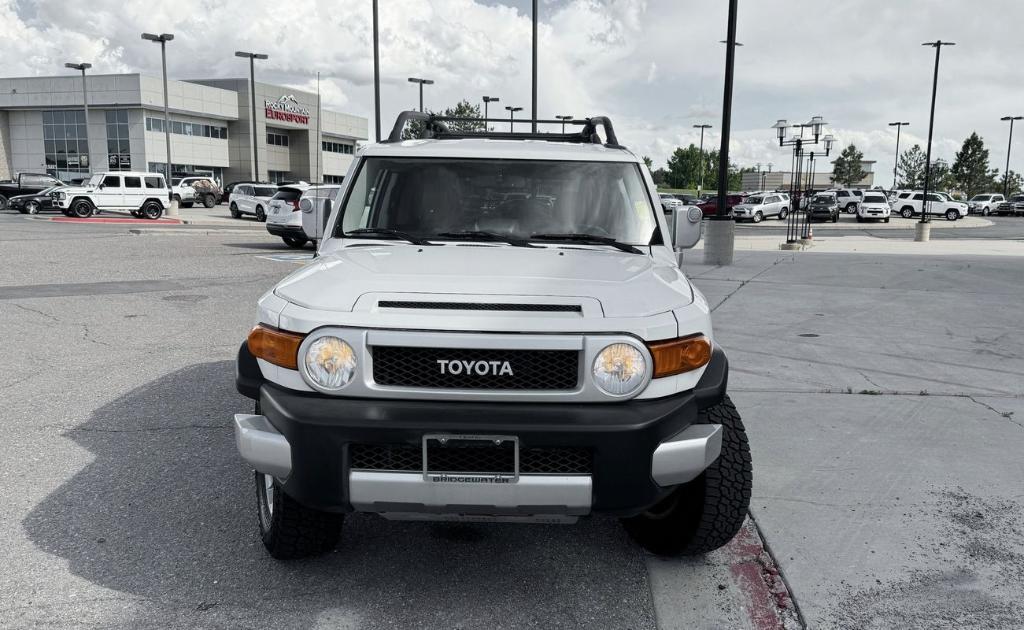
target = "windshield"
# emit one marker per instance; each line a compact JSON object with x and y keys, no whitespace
{"x":980,"y":197}
{"x":426,"y":197}
{"x":823,"y":199}
{"x":874,"y":199}
{"x":754,"y":200}
{"x":96,"y":179}
{"x":263,"y":191}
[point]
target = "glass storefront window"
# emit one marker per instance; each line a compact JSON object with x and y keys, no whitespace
{"x":65,"y":148}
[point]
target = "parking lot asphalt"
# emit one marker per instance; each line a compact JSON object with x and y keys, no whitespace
{"x":882,"y":395}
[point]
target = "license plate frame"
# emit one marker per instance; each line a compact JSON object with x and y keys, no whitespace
{"x":444,"y":438}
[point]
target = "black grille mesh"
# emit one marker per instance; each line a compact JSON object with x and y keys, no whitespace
{"x":403,"y":457}
{"x":481,"y":306}
{"x":531,"y":369}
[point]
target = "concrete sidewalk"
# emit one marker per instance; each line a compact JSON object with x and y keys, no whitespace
{"x":884,"y":400}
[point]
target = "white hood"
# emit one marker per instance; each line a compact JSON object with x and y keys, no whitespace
{"x":625,"y":285}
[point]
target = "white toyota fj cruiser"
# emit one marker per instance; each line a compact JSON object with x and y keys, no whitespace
{"x":495,"y":328}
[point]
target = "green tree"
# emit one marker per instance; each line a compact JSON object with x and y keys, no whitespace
{"x":649,"y":162}
{"x":1014,"y":185}
{"x":685,"y":164}
{"x":971,"y":173}
{"x":463,"y":109}
{"x":911,"y":168}
{"x":847,"y":169}
{"x":660,"y":177}
{"x":941,"y":176}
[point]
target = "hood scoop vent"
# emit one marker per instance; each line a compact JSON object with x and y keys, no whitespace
{"x":482,"y":306}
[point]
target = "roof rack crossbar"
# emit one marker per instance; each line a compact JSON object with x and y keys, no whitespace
{"x":434,"y":127}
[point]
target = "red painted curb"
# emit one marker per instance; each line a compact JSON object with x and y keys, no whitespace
{"x":115,"y":220}
{"x":768,"y":602}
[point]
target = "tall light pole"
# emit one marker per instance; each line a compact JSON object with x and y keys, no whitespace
{"x":700,"y":184}
{"x":162,"y":39}
{"x":899,"y":125}
{"x":252,"y":57}
{"x":533,"y":108}
{"x":563,"y":118}
{"x":720,"y":235}
{"x":512,"y":115}
{"x":487,"y":101}
{"x":376,"y":72}
{"x":85,"y":103}
{"x":920,"y":234}
{"x":422,"y":82}
{"x":1009,"y":144}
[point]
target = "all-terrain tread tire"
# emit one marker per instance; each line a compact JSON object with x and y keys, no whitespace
{"x":297,"y":531}
{"x":708,"y":511}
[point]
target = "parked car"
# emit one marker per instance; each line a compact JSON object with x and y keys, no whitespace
{"x":145,"y":195}
{"x":1014,"y":206}
{"x":908,"y":205}
{"x":34,"y":203}
{"x":225,"y":192}
{"x":756,"y":208}
{"x":284,"y":218}
{"x":670,"y":202}
{"x":848,"y":198}
{"x":874,"y":207}
{"x":397,"y":375}
{"x":25,"y":184}
{"x":825,"y":206}
{"x":710,"y":206}
{"x":251,"y":199}
{"x":191,"y":190}
{"x":985,"y":203}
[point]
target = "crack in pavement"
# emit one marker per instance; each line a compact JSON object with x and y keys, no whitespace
{"x":1008,"y":415}
{"x":744,"y":283}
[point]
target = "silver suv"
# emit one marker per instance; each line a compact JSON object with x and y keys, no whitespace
{"x":492,"y":331}
{"x":251,"y":199}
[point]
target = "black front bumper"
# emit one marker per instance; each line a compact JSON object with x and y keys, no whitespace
{"x":621,"y":436}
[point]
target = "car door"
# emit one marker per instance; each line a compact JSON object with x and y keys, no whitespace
{"x":245,"y":201}
{"x":134,"y":193}
{"x":109,"y":193}
{"x":774,"y":205}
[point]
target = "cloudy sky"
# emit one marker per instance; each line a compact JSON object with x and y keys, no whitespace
{"x":654,"y":66}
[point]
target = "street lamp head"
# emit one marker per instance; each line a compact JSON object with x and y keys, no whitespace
{"x":1012,"y":118}
{"x":513,"y":109}
{"x":704,"y":126}
{"x":421,"y":81}
{"x":249,"y":55}
{"x":491,"y":99}
{"x":780,"y":128}
{"x":162,"y":37}
{"x":937,"y":43}
{"x":564,"y":117}
{"x":816,"y":123}
{"x":78,"y":66}
{"x":828,"y":143}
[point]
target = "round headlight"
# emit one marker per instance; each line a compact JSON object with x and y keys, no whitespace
{"x":619,"y":369}
{"x":330,"y":362}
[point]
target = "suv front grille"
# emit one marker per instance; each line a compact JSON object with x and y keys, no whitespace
{"x":447,"y":368}
{"x":481,"y":306}
{"x":406,"y":458}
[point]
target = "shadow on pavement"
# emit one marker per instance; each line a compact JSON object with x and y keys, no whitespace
{"x":165,"y":515}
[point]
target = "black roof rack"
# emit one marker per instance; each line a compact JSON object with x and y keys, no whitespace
{"x":433,"y":126}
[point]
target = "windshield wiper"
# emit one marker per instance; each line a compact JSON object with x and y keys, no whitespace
{"x":593,"y":239}
{"x":415,"y":240}
{"x":487,"y":236}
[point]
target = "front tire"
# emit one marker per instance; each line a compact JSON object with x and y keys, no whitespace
{"x":294,"y":242}
{"x":235,"y":214}
{"x":704,"y":514}
{"x":783,"y":214}
{"x":32,"y":208}
{"x":758,"y":217}
{"x":209,"y":201}
{"x":82,"y":208}
{"x":952,"y":215}
{"x":261,"y":215}
{"x":907,"y":213}
{"x":290,"y":530}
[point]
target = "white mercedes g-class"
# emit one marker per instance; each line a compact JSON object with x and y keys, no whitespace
{"x":495,"y":327}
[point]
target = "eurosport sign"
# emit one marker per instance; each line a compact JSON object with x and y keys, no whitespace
{"x":286,"y":108}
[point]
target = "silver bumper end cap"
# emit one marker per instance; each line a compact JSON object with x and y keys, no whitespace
{"x":687,"y":454}
{"x":260,"y":444}
{"x":402,"y":492}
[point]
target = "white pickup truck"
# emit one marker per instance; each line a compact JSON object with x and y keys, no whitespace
{"x":493,"y":330}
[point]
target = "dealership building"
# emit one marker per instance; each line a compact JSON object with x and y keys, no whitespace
{"x":43,"y":129}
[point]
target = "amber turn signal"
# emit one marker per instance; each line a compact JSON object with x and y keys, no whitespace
{"x":275,"y":346}
{"x":676,"y":356}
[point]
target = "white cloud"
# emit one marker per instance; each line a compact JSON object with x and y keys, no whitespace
{"x":654,"y":66}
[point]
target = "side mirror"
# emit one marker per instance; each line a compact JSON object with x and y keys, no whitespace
{"x":686,"y":229}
